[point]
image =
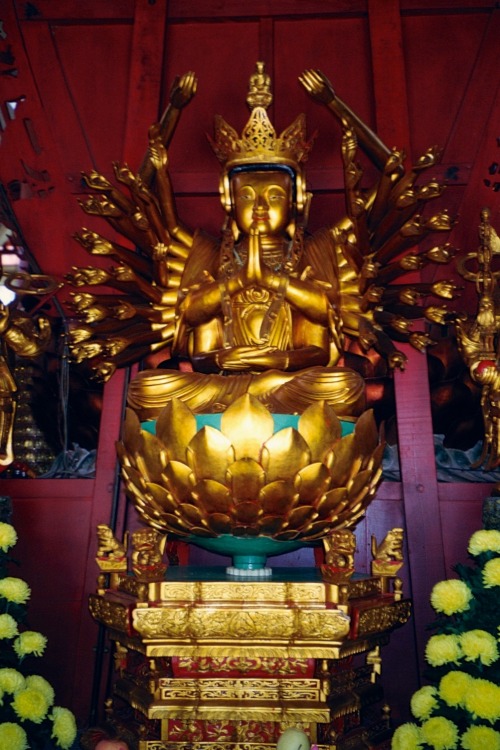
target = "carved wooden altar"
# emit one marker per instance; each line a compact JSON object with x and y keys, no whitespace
{"x":202,"y":660}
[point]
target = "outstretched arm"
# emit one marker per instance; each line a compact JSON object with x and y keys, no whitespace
{"x":182,"y":91}
{"x":321,"y":90}
{"x":159,"y":160}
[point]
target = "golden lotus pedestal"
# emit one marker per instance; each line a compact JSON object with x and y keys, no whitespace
{"x":202,"y":660}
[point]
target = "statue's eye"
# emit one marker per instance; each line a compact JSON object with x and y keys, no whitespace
{"x":246,"y":195}
{"x":275,"y":196}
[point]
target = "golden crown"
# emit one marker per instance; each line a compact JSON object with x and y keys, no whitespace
{"x":259,"y":143}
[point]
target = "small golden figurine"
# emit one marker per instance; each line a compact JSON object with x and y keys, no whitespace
{"x":111,"y":553}
{"x":339,"y":547}
{"x":478,"y":340}
{"x":388,"y":555}
{"x":148,"y":547}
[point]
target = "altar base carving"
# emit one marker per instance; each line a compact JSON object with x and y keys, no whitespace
{"x":205,"y":661}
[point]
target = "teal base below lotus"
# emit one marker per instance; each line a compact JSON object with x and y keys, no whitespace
{"x":248,"y":553}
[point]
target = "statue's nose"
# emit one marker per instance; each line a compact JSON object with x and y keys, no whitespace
{"x":261,"y":201}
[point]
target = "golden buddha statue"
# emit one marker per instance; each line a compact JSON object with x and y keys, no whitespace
{"x":22,"y":334}
{"x":265,"y":310}
{"x":477,"y":336}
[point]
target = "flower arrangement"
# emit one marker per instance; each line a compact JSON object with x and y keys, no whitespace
{"x":29,"y":718}
{"x":461,"y":707}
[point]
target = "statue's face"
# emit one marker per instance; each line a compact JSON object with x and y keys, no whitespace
{"x":263,"y":199}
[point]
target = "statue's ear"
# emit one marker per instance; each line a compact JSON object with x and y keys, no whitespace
{"x":235,"y":230}
{"x":290,"y":230}
{"x":225,"y":193}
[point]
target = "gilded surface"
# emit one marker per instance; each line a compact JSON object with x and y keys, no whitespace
{"x":262,"y":315}
{"x":243,"y":592}
{"x":232,"y":625}
{"x":296,"y":483}
{"x":478,"y":336}
{"x":113,"y":614}
{"x":230,"y":745}
{"x":242,"y":665}
{"x":232,"y":689}
{"x":383,"y":618}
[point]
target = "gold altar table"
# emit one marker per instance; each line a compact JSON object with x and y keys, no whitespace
{"x":203,"y":659}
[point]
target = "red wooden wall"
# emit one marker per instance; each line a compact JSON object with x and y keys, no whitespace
{"x":91,"y":77}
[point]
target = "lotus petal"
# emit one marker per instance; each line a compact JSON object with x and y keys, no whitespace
{"x":299,"y":517}
{"x":270,"y":525}
{"x":334,"y":501}
{"x":131,"y":432}
{"x":190,"y":513}
{"x":209,"y":454}
{"x":179,"y":480}
{"x":317,"y":530}
{"x":358,"y":486}
{"x":202,"y":531}
{"x":212,"y":496}
{"x":245,"y":479}
{"x":246,"y":513}
{"x":153,"y":458}
{"x":123,"y":455}
{"x":176,"y":525}
{"x":278,"y":498}
{"x":285,"y":453}
{"x":320,"y":427}
{"x":162,"y":499}
{"x":312,"y":482}
{"x":366,"y":433}
{"x":134,"y":478}
{"x":287,"y":535}
{"x":175,"y":427}
{"x":373,"y":461}
{"x":245,"y":530}
{"x":219,"y":523}
{"x":248,"y":424}
{"x":346,"y":461}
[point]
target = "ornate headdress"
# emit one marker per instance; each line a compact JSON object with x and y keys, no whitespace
{"x":259,"y":144}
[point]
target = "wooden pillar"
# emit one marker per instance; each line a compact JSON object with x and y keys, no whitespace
{"x":415,"y":432}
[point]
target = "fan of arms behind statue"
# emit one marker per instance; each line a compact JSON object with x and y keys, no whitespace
{"x":358,"y":263}
{"x":255,"y":324}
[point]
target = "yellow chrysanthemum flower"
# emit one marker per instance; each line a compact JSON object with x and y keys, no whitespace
{"x":484,"y":540}
{"x":479,"y":644}
{"x":64,"y":728}
{"x":39,"y":683}
{"x":15,"y":590}
{"x":443,"y":649}
{"x":491,"y":573}
{"x":13,"y":736}
{"x":30,"y":642}
{"x":30,"y":704}
{"x":451,"y":596}
{"x":8,"y":626}
{"x":480,"y":738}
{"x":453,"y":687}
{"x":11,"y":680}
{"x":423,"y":702}
{"x":407,"y":737}
{"x":440,"y":733}
{"x":483,"y":700}
{"x":8,"y":536}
